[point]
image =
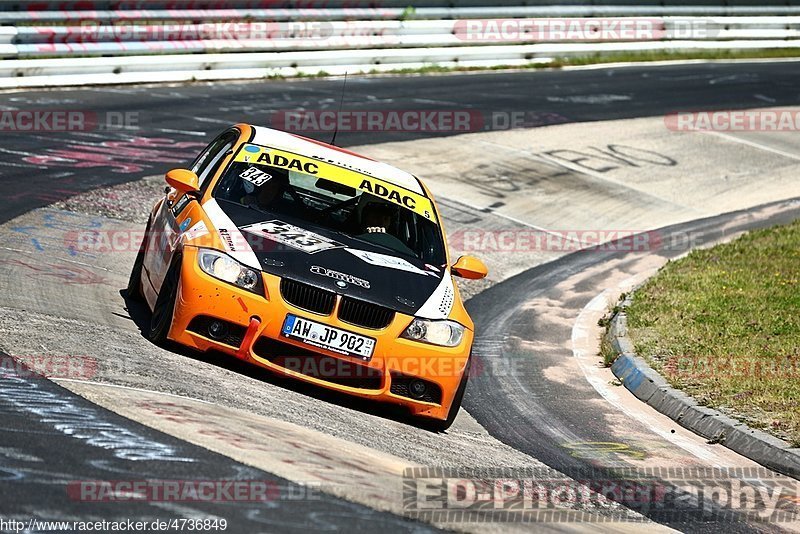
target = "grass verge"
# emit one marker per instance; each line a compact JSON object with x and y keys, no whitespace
{"x":621,"y":57}
{"x":723,"y":324}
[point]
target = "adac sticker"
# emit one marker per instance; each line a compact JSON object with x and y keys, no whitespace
{"x":415,"y":202}
{"x":277,"y":158}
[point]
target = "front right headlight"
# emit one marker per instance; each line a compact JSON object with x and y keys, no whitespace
{"x":223,"y":267}
{"x":444,"y":333}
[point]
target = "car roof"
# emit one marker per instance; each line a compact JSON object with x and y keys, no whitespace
{"x":336,"y":156}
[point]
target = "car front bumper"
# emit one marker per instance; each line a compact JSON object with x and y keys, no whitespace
{"x":258,"y":321}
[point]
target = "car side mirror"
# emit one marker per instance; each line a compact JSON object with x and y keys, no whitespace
{"x":183,"y":180}
{"x":470,"y":267}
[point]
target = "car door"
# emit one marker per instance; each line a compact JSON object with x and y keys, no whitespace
{"x":174,"y":215}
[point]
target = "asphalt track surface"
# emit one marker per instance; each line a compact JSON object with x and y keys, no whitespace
{"x":38,"y":168}
{"x":536,"y":97}
{"x":41,"y":418}
{"x":532,"y":415}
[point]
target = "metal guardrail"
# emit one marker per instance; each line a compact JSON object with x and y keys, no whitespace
{"x":198,"y":67}
{"x":390,"y":13}
{"x":32,"y":41}
{"x":111,"y":45}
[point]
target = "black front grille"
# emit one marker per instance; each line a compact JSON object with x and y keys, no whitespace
{"x":400,"y":387}
{"x":320,"y":366}
{"x":200,"y":324}
{"x":364,"y":314}
{"x":308,"y":297}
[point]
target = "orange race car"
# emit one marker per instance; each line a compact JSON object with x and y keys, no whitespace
{"x":313,"y":262}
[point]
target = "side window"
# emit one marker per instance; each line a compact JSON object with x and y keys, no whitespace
{"x":207,"y":163}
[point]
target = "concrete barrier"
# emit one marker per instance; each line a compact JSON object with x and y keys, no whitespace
{"x":651,"y":388}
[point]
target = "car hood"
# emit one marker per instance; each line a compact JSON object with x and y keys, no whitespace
{"x":297,"y":250}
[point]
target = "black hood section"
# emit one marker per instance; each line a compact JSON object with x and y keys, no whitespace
{"x":396,"y":289}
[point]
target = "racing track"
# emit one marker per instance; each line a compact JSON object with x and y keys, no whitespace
{"x":532,"y":415}
{"x":542,"y":410}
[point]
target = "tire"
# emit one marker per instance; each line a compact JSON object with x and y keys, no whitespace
{"x":161,"y":319}
{"x":442,"y":425}
{"x":134,"y":290}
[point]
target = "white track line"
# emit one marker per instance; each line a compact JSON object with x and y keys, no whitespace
{"x":759,"y":146}
{"x":103,"y":384}
{"x":580,"y":331}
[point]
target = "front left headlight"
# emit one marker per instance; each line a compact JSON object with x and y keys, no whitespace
{"x":443,"y":333}
{"x":223,"y":267}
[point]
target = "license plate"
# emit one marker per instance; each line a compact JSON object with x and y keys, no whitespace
{"x":327,"y":337}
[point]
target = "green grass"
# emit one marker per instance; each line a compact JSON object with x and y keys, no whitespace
{"x":669,"y":56}
{"x":607,"y":351}
{"x":621,"y":57}
{"x":723,"y":324}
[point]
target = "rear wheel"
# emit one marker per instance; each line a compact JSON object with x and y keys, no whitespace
{"x":161,"y":320}
{"x":442,"y":425}
{"x":134,"y":290}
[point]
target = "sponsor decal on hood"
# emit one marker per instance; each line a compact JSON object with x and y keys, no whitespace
{"x":313,"y":255}
{"x":340,"y":277}
{"x":233,"y":241}
{"x":292,"y":236}
{"x":440,"y":303}
{"x":390,"y":262}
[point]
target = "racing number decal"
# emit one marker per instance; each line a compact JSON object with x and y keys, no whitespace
{"x":291,"y":236}
{"x":380,"y":188}
{"x":255,"y":176}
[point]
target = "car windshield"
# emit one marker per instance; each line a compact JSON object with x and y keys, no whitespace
{"x":334,"y":198}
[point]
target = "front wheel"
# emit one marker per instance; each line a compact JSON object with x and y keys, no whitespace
{"x":442,"y":425}
{"x":161,"y":320}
